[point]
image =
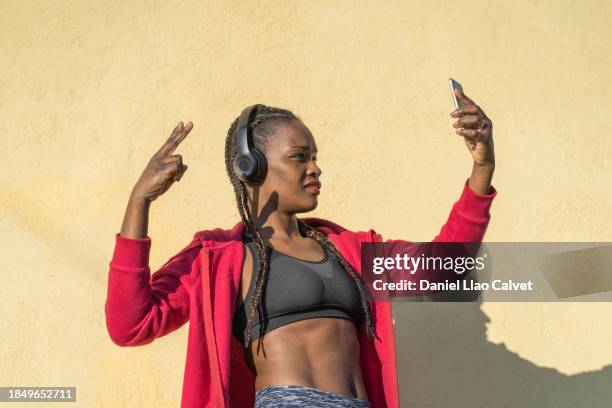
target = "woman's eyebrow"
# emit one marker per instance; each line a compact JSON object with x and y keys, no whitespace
{"x":304,"y":147}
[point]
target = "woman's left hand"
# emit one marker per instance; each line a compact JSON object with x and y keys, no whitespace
{"x":477,"y":130}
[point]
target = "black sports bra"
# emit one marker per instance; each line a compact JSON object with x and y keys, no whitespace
{"x":298,"y":290}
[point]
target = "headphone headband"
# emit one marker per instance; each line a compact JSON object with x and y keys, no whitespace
{"x":243,"y":130}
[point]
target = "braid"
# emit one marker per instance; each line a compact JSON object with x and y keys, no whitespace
{"x":308,"y":231}
{"x":263,"y":125}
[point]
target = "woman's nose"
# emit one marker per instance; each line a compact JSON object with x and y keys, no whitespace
{"x":314,"y":169}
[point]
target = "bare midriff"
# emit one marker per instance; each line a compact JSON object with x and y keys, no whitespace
{"x":321,"y":353}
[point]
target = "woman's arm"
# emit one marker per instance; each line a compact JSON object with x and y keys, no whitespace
{"x":141,"y":307}
{"x":480,"y":180}
{"x":136,"y":219}
{"x":469,"y":216}
{"x":466,"y":222}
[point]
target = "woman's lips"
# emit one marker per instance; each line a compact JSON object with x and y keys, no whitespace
{"x":314,"y":189}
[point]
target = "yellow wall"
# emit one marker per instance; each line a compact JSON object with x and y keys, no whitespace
{"x":90,"y":90}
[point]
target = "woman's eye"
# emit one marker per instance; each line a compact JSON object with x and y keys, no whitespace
{"x":302,"y":156}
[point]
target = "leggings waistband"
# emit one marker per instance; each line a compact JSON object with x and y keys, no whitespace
{"x":285,"y":396}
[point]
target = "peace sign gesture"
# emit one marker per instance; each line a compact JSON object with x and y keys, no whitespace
{"x":164,"y":168}
{"x":477,"y":130}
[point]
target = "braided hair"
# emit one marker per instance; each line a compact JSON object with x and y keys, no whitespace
{"x":264,"y":124}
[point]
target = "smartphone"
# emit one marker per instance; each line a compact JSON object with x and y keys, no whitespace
{"x":456,"y":85}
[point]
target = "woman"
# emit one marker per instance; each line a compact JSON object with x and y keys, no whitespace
{"x":325,"y":343}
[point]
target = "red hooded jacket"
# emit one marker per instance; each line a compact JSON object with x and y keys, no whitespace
{"x":200,"y":285}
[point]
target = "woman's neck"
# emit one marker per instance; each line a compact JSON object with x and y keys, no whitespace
{"x":279,"y":228}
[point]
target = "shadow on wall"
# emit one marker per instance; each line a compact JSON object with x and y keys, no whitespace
{"x":445,"y":360}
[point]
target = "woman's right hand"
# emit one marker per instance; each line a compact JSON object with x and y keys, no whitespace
{"x":164,"y":168}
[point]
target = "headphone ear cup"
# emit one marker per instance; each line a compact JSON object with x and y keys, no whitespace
{"x":261,"y":166}
{"x":244,"y":166}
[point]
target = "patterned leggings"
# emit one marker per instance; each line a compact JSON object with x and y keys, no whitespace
{"x":290,"y":396}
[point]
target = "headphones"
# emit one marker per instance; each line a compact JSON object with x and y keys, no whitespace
{"x":250,"y":163}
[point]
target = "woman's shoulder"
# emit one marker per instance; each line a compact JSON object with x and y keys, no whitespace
{"x":219,"y":236}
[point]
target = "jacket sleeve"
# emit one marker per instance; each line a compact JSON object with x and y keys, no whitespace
{"x":141,"y":307}
{"x":467,"y":222}
{"x":468,"y":218}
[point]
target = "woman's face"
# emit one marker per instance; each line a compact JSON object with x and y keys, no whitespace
{"x":291,"y":153}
